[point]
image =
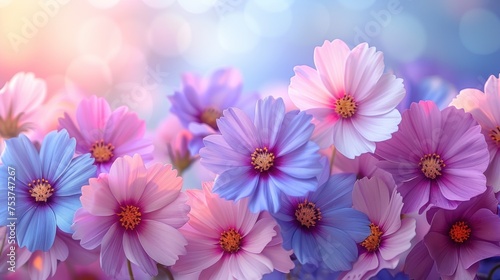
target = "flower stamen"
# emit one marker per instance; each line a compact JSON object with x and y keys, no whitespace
{"x":431,"y":165}
{"x":262,"y":159}
{"x":460,"y":232}
{"x":130,"y":217}
{"x":210,"y":116}
{"x":102,"y":152}
{"x":495,"y":135}
{"x":372,"y":242}
{"x":9,"y":127}
{"x":346,"y":107}
{"x":41,"y":190}
{"x":230,"y":240}
{"x":307,"y":214}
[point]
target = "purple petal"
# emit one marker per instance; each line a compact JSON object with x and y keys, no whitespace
{"x":152,"y":237}
{"x":91,"y":229}
{"x":136,"y":254}
{"x":112,"y":254}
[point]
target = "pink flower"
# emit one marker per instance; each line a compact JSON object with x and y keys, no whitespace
{"x":227,"y":241}
{"x":436,"y":157}
{"x":458,"y":239}
{"x":350,"y":97}
{"x":19,"y":100}
{"x":107,"y":135}
{"x":485,"y":108}
{"x":390,"y":235}
{"x":130,"y":212}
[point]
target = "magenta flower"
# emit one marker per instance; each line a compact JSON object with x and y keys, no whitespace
{"x":484,"y":107}
{"x":436,"y":158}
{"x":227,"y":241}
{"x":351,"y":99}
{"x":129,"y":212}
{"x":264,"y":158}
{"x":107,"y":135}
{"x":201,"y":102}
{"x":390,"y":235}
{"x":458,"y":239}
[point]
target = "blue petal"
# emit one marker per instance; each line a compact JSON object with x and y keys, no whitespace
{"x":236,"y":183}
{"x":336,"y":193}
{"x":64,"y":208}
{"x":355,"y":223}
{"x":36,"y":229}
{"x":296,"y":131}
{"x":337,"y":249}
{"x":269,"y":114}
{"x":78,"y":173}
{"x":56,"y":153}
{"x":22,"y":155}
{"x":305,"y":247}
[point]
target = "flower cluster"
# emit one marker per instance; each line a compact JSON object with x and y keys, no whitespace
{"x":351,"y":181}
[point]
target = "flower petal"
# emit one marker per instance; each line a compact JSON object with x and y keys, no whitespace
{"x":330,"y":60}
{"x":76,"y":175}
{"x":112,"y":254}
{"x":90,"y":230}
{"x":56,"y":153}
{"x":64,"y":208}
{"x":136,"y":254}
{"x":127,"y":179}
{"x":36,"y":229}
{"x":307,"y":90}
{"x":152,"y":237}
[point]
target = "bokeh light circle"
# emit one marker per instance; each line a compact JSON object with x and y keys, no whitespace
{"x":103,"y":4}
{"x":169,"y":34}
{"x":158,"y":4}
{"x":274,"y":5}
{"x":99,"y":36}
{"x":89,"y":74}
{"x":204,"y":52}
{"x":357,"y":5}
{"x":197,"y":6}
{"x":404,"y":38}
{"x":478,"y":31}
{"x":266,"y":23}
{"x":5,"y":3}
{"x":234,"y":35}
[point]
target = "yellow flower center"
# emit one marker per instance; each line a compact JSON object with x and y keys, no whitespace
{"x":346,"y":106}
{"x":372,"y":242}
{"x":262,"y":159}
{"x":210,"y":116}
{"x":9,"y":127}
{"x":102,"y":152}
{"x":130,"y":217}
{"x":41,"y":190}
{"x":495,"y":135}
{"x":431,"y":165}
{"x":307,"y":214}
{"x":230,"y":241}
{"x":460,"y":232}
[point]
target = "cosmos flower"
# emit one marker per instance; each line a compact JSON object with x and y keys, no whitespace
{"x":129,"y":212}
{"x":19,"y":100}
{"x":47,"y":187}
{"x":351,"y":99}
{"x":321,"y":227}
{"x":436,"y":157}
{"x":201,"y":102}
{"x":227,"y":241}
{"x":107,"y":135}
{"x":390,"y":235}
{"x":458,"y":239}
{"x":485,"y":108}
{"x":265,"y":158}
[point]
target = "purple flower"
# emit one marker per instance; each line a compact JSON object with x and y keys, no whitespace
{"x":458,"y":240}
{"x":265,"y":158}
{"x":321,"y":227}
{"x":436,"y":157}
{"x":201,"y":101}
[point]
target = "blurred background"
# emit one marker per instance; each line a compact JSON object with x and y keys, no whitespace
{"x":133,"y":52}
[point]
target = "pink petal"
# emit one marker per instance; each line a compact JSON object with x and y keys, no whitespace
{"x":82,"y":145}
{"x":371,"y":196}
{"x":24,"y":93}
{"x":307,"y":90}
{"x":260,"y":235}
{"x":123,"y":126}
{"x":173,"y":214}
{"x":91,"y":115}
{"x":364,"y":67}
{"x":492,"y":86}
{"x":201,"y":254}
{"x":90,"y":229}
{"x":377,"y":128}
{"x":127,"y":179}
{"x":112,"y":254}
{"x":97,"y":198}
{"x":162,"y":187}
{"x":365,"y":263}
{"x":279,"y":256}
{"x":349,"y":141}
{"x":246,"y":265}
{"x":152,"y":237}
{"x":330,"y":60}
{"x":399,"y":242}
{"x":136,"y":254}
{"x":383,"y":97}
{"x":444,"y":253}
{"x":391,"y":220}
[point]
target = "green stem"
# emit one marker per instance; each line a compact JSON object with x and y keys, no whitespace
{"x":169,"y":274}
{"x":490,"y":275}
{"x":130,"y":272}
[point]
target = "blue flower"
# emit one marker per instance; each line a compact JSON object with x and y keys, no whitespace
{"x":385,"y":274}
{"x":263,"y":159}
{"x":47,"y":187}
{"x":322,"y":226}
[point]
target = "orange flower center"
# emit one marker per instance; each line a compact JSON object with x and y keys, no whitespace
{"x":130,"y":217}
{"x":41,"y":190}
{"x":495,"y":135}
{"x":262,"y":159}
{"x":307,"y":214}
{"x":346,"y":106}
{"x":372,"y":242}
{"x":230,"y":241}
{"x":210,"y":116}
{"x":460,"y":232}
{"x":102,"y":152}
{"x":431,"y":165}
